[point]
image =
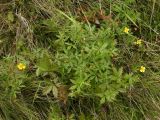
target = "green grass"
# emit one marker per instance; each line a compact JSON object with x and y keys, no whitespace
{"x":80,"y":64}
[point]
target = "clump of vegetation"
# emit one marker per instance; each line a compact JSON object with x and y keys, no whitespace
{"x":79,"y":60}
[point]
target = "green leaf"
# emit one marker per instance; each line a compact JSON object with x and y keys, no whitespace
{"x":45,"y":64}
{"x":38,"y":71}
{"x":110,"y":95}
{"x":82,"y":117}
{"x":10,"y":16}
{"x":47,"y":90}
{"x":102,"y":101}
{"x":55,"y":91}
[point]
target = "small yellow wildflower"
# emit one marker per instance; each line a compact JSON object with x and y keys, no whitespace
{"x":21,"y":66}
{"x":142,"y":69}
{"x":126,"y":30}
{"x":138,"y":42}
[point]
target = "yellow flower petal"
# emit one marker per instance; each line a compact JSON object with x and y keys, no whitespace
{"x":142,"y":69}
{"x":138,"y":42}
{"x":21,"y":66}
{"x":126,"y":30}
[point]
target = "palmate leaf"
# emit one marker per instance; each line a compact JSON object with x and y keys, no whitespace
{"x":45,"y":64}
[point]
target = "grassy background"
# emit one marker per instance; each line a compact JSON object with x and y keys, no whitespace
{"x":71,"y":49}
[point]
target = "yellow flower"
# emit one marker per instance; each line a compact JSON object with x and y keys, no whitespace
{"x":142,"y":69}
{"x":21,"y":66}
{"x":138,"y":42}
{"x":126,"y":30}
